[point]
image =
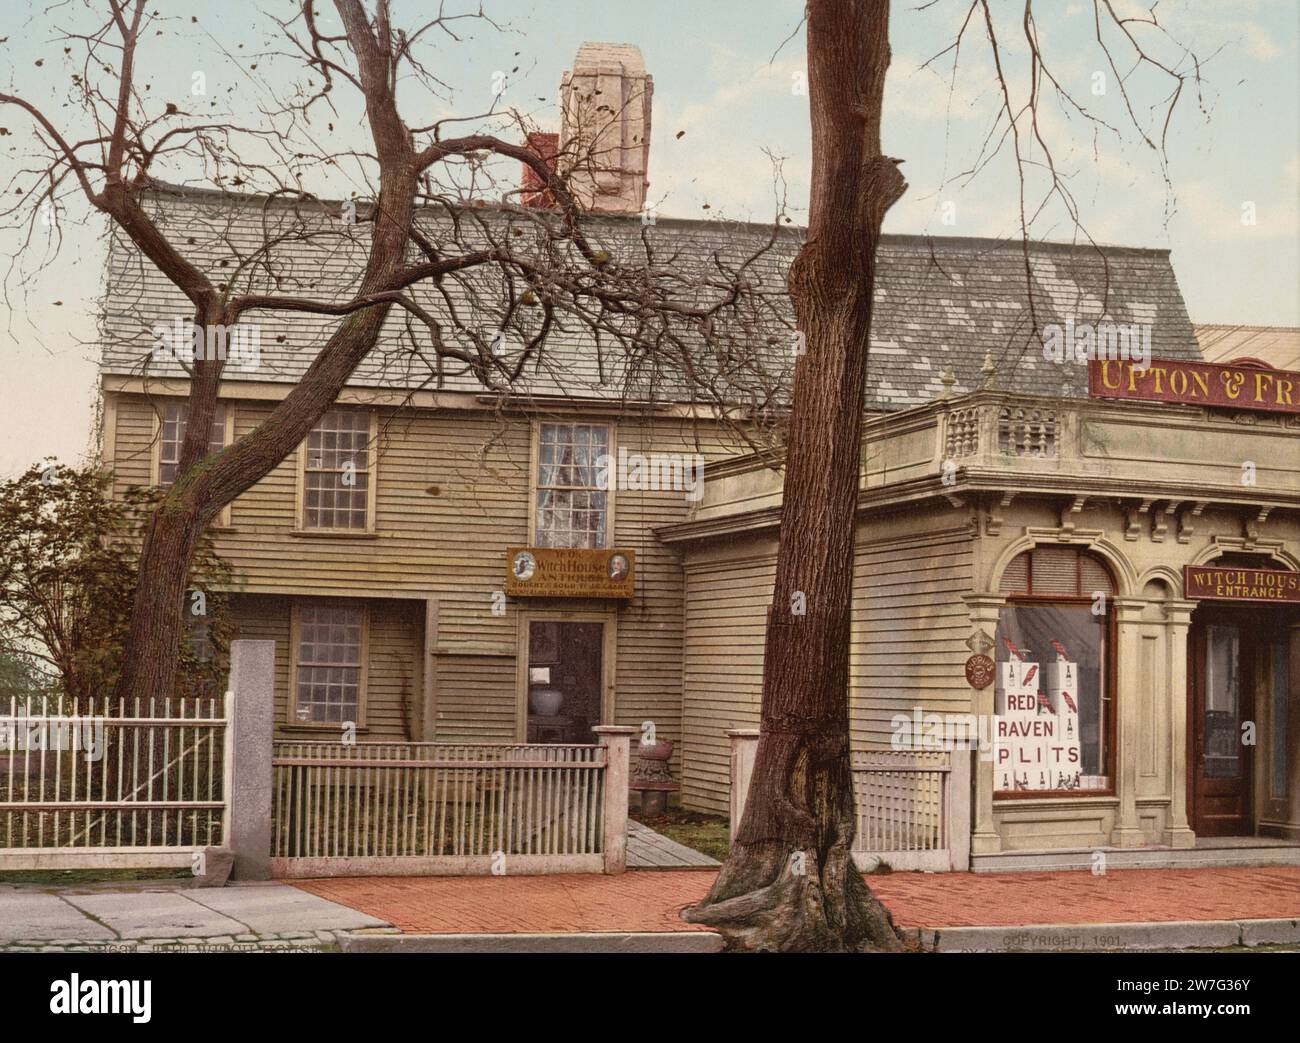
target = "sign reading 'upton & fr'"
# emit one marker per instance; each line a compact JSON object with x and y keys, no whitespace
{"x":1220,"y":584}
{"x":1197,"y":383}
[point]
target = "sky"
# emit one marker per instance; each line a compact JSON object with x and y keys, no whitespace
{"x":730,"y":105}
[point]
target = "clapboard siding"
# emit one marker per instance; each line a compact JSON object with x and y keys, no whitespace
{"x":909,"y":622}
{"x":452,"y":493}
{"x":726,"y":613}
{"x":907,"y":644}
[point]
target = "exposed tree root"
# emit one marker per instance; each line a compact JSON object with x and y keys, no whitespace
{"x":805,"y":906}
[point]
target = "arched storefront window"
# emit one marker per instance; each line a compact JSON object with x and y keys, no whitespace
{"x":1055,"y":681}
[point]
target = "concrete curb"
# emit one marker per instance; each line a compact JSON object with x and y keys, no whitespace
{"x":590,"y":942}
{"x":1097,"y":937}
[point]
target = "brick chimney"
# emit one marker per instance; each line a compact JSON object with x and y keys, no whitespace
{"x":533,"y":189}
{"x":605,"y":133}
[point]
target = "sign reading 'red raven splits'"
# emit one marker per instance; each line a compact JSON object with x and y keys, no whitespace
{"x":1220,"y":584}
{"x":1234,"y":386}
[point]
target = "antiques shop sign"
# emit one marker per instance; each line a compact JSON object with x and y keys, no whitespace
{"x":1205,"y":581}
{"x":564,"y":572}
{"x":1197,"y":384}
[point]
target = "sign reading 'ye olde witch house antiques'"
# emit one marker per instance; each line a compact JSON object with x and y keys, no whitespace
{"x":1240,"y":385}
{"x":565,"y":572}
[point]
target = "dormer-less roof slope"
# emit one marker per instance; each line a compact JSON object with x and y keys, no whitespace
{"x":941,"y":303}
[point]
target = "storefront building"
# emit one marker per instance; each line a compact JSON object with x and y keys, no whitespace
{"x":1139,"y":560}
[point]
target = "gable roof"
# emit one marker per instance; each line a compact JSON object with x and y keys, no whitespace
{"x":941,"y":302}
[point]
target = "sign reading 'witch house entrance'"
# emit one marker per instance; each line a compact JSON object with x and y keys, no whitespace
{"x":1219,"y":584}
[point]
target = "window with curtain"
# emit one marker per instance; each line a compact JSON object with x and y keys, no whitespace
{"x":1057,"y":621}
{"x":572,"y":507}
{"x":171,"y":436}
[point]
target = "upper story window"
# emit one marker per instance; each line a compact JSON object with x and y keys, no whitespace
{"x":171,"y":436}
{"x":336,"y":477}
{"x":572,"y":505}
{"x":1054,"y":697}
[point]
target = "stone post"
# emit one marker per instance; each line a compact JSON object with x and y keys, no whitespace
{"x":617,"y":741}
{"x":249,"y":734}
{"x":744,"y":746}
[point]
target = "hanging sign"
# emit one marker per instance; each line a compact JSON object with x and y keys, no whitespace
{"x":1208,"y":582}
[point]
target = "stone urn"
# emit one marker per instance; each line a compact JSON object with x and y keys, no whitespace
{"x":651,"y":778}
{"x":546,"y":701}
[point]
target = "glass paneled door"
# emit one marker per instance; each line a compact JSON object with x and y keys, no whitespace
{"x":1222,"y":705}
{"x":565,"y":680}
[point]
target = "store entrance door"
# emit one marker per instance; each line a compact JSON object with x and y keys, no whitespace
{"x":1222,"y":701}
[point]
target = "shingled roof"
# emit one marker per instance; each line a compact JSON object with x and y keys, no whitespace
{"x":942,"y":302}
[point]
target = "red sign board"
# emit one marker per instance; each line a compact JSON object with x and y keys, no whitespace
{"x":1219,"y":584}
{"x":1234,"y":386}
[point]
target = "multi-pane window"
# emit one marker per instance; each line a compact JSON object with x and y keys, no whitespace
{"x":572,"y":500}
{"x":336,"y":475}
{"x":171,"y":437}
{"x":328,"y":664}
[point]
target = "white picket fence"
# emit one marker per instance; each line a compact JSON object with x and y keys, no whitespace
{"x":913,"y":808}
{"x":439,"y":808}
{"x":112,"y":783}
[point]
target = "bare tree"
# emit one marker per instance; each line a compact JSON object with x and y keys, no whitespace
{"x":789,"y":882}
{"x":465,"y":276}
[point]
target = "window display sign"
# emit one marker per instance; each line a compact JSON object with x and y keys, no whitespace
{"x":1202,"y":582}
{"x":1037,"y":740}
{"x":1234,"y":386}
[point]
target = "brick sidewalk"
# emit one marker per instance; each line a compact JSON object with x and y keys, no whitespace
{"x":651,"y":901}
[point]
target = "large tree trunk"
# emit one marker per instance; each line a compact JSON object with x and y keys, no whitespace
{"x":789,"y":882}
{"x":151,"y":655}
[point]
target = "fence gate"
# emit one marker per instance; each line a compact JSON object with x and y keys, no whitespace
{"x":112,"y":783}
{"x":439,"y":808}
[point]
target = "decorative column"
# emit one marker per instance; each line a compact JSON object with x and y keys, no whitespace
{"x":617,"y":740}
{"x":1178,"y":618}
{"x":1127,"y":700}
{"x":985,"y":838}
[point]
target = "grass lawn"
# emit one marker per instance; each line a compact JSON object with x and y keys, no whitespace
{"x":73,"y":877}
{"x":707,"y":834}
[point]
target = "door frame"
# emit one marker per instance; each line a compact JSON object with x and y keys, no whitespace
{"x":607,"y":617}
{"x":1247,"y":619}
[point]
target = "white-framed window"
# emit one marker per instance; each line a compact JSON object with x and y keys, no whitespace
{"x":571,"y":506}
{"x":337,"y":487}
{"x":329,"y":642}
{"x":172,"y":422}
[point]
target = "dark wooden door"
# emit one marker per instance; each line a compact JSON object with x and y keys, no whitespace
{"x":1222,"y":700}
